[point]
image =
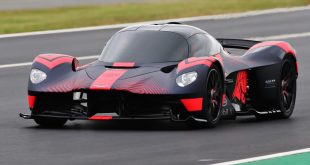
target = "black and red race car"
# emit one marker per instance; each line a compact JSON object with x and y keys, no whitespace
{"x":166,"y":71}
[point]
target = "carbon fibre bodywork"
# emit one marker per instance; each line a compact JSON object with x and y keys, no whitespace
{"x":137,"y":90}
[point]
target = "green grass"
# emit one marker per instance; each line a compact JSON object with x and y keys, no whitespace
{"x":296,"y":159}
{"x":71,"y":17}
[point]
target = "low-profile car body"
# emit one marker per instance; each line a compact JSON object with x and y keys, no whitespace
{"x":167,"y":71}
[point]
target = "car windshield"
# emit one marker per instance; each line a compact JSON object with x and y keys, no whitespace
{"x":145,"y":47}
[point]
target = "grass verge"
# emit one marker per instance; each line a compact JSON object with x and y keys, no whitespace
{"x":71,"y":17}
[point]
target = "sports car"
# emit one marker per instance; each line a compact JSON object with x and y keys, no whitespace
{"x":166,"y":71}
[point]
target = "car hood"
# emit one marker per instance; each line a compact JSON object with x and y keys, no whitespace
{"x":98,"y":68}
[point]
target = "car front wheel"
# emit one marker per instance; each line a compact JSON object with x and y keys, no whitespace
{"x":212,"y":100}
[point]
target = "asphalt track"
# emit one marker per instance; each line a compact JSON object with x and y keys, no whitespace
{"x":151,"y":142}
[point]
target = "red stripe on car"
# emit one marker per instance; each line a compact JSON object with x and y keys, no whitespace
{"x":284,"y":45}
{"x":53,"y":60}
{"x":192,"y":104}
{"x":31,"y":101}
{"x":219,"y":58}
{"x":193,"y":61}
{"x":107,"y":79}
{"x":124,"y":64}
{"x":100,"y":118}
{"x":223,"y":99}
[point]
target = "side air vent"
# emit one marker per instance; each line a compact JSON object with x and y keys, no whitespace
{"x":168,"y":69}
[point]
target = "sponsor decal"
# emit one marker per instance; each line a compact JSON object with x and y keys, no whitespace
{"x":270,"y":83}
{"x":241,"y":87}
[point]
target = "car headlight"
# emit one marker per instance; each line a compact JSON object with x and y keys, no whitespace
{"x":186,"y":79}
{"x":37,"y":76}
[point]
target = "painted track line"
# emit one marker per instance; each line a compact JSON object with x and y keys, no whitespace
{"x":281,"y":37}
{"x":264,"y":157}
{"x":188,"y":19}
{"x":275,"y":37}
{"x":29,"y":63}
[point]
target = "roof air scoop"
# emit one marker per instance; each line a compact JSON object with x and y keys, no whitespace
{"x":121,"y":65}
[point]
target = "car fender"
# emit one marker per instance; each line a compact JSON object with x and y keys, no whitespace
{"x":268,"y":53}
{"x":63,"y":74}
{"x":201,"y":65}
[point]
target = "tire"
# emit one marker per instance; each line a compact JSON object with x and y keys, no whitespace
{"x":212,"y":100}
{"x":287,"y":90}
{"x":50,"y":122}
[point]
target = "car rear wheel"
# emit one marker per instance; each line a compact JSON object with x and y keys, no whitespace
{"x":287,"y":90}
{"x":212,"y":101}
{"x":50,"y":122}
